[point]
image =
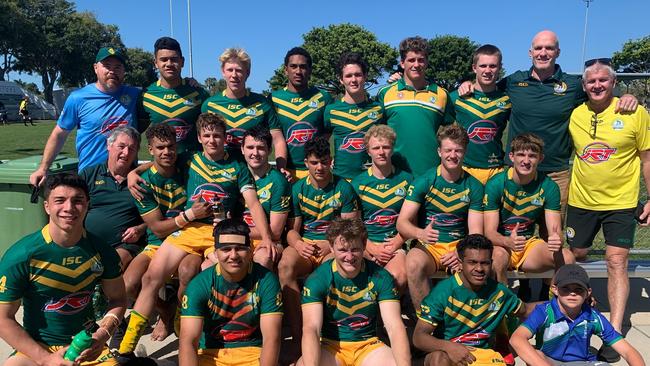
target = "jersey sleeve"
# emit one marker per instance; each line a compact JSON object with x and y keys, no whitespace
{"x":493,"y":193}
{"x":110,"y":260}
{"x":643,"y":131}
{"x":271,"y":116}
{"x":69,"y":118}
{"x":295,"y":200}
{"x":536,"y":319}
{"x":349,"y":199}
{"x":450,"y":116}
{"x":281,"y":196}
{"x":244,"y":178}
{"x":552,"y":199}
{"x":511,"y":301}
{"x":432,"y":308}
{"x":386,"y":290}
{"x":204,"y":106}
{"x":327,"y":97}
{"x":476,"y":194}
{"x":327,"y":116}
{"x":270,"y":294}
{"x":418,"y":189}
{"x":607,"y":333}
{"x":14,"y":274}
{"x":315,"y":289}
{"x":148,"y":202}
{"x":453,"y":97}
{"x":195,"y":300}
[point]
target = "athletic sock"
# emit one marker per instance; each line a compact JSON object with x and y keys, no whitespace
{"x":134,"y":331}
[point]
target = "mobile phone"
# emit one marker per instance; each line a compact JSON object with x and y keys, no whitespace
{"x":638,"y":211}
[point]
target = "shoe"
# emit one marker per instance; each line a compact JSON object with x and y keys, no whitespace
{"x":608,"y":354}
{"x":509,"y":359}
{"x":123,"y":358}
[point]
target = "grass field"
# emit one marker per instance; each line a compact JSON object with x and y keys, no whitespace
{"x":18,"y":141}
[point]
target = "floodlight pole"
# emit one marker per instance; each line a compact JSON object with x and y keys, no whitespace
{"x":171,"y":19}
{"x":189,"y":32}
{"x":584,"y":36}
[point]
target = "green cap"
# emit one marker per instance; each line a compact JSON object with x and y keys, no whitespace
{"x":105,"y":52}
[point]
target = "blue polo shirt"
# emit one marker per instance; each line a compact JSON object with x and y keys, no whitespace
{"x":567,"y":340}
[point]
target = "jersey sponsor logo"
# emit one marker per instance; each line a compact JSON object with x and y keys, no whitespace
{"x":299,"y":133}
{"x":617,"y":125}
{"x":243,"y":331}
{"x":209,"y":192}
{"x":446,"y":219}
{"x":251,"y":111}
{"x":181,"y":127}
{"x":248,"y":219}
{"x":353,"y":143}
{"x":472,"y":338}
{"x":356,"y":321}
{"x":383,"y":217}
{"x":482,"y":132}
{"x":69,"y":304}
{"x":125,"y":99}
{"x":560,"y":88}
{"x":234,"y":137}
{"x":317,"y":226}
{"x":112,"y":123}
{"x":596,"y":153}
{"x":524,"y":224}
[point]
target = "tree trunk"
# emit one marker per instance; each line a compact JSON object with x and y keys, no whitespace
{"x":48,"y":78}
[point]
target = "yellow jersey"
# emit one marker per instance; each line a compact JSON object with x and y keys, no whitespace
{"x":606,"y":167}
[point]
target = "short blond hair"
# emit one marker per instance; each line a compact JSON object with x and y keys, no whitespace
{"x":236,"y":55}
{"x":380,"y":132}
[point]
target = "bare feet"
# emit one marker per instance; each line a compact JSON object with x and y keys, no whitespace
{"x":161,"y":330}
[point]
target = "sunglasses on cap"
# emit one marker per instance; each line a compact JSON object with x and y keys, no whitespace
{"x":604,"y":61}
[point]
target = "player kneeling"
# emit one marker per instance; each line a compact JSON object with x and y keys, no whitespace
{"x":231,"y":313}
{"x":340,"y":307}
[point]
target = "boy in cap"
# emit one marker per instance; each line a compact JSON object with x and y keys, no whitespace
{"x":567,"y":323}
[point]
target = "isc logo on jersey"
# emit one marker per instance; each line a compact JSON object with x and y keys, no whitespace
{"x":181,"y":128}
{"x":383,"y":217}
{"x":596,"y":152}
{"x":112,"y":123}
{"x":69,"y":304}
{"x":209,"y":192}
{"x":299,"y":133}
{"x":353,"y":143}
{"x":482,"y":132}
{"x":234,"y":137}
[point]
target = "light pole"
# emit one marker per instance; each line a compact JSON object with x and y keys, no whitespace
{"x":171,"y":19}
{"x":189,"y":33}
{"x":584,"y":37}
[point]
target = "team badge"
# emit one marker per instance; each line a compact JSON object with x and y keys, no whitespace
{"x":501,"y":105}
{"x":560,"y":88}
{"x":537,"y":202}
{"x":125,"y":99}
{"x":400,"y":192}
{"x":334,"y":203}
{"x":464,"y":198}
{"x":400,"y":95}
{"x":432,"y":99}
{"x":251,"y":111}
{"x":570,"y":233}
{"x":617,"y":125}
{"x":265,"y":194}
{"x":189,"y":102}
{"x":111,"y":51}
{"x":372,"y":115}
{"x":313,"y":104}
{"x":369,"y":296}
{"x":96,"y":267}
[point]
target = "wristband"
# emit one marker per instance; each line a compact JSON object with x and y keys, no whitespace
{"x":180,"y":221}
{"x":189,"y":215}
{"x":105,"y":331}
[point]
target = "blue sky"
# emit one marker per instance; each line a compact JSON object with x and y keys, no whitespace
{"x":267,"y":29}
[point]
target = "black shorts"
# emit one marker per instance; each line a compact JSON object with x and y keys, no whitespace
{"x":582,"y":226}
{"x":24,"y":112}
{"x":133,"y":248}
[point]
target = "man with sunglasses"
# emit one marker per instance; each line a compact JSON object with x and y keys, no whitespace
{"x":612,"y":149}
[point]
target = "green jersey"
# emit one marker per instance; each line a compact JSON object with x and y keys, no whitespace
{"x":55,"y":283}
{"x":231,"y":311}
{"x":300,"y":117}
{"x":484,"y":117}
{"x":166,"y":194}
{"x":178,"y":107}
{"x":317,"y":207}
{"x":447,"y":203}
{"x":212,"y":181}
{"x":274,"y":194}
{"x":517,"y":204}
{"x":350,"y":305}
{"x":348,"y":124}
{"x":415,"y":115}
{"x":381,"y":201}
{"x":463,"y":316}
{"x":241,"y":115}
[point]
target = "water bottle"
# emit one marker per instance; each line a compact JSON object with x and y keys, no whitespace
{"x":81,"y":341}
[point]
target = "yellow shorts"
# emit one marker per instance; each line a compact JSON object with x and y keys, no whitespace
{"x":438,"y":250}
{"x":483,"y":174}
{"x":518,"y":258}
{"x":194,"y":238}
{"x":351,"y":353}
{"x":105,"y":358}
{"x":486,"y":357}
{"x":240,"y":356}
{"x":315,"y":260}
{"x":150,"y":250}
{"x":298,"y":174}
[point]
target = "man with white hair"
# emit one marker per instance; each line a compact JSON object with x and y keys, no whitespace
{"x":612,"y":149}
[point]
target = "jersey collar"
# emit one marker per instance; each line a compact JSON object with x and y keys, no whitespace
{"x":402,"y":85}
{"x":45,"y":232}
{"x":555,"y":77}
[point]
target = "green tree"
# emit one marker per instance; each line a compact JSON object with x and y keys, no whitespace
{"x":634,"y":58}
{"x":326,"y":46}
{"x":140,"y":69}
{"x":450,"y":60}
{"x":12,"y":35}
{"x":215,"y":86}
{"x":31,"y":87}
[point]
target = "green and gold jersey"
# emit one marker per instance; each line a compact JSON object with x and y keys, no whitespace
{"x":447,"y":203}
{"x":300,"y":117}
{"x":415,"y":115}
{"x":317,"y":207}
{"x":211,"y":181}
{"x":231,"y":311}
{"x":274,"y":194}
{"x":241,"y":115}
{"x":381,"y":201}
{"x":350,"y":305}
{"x":484,"y":116}
{"x":517,"y":204}
{"x":348,"y":124}
{"x":463,"y":316}
{"x":178,"y":107}
{"x":166,"y":194}
{"x":55,"y":283}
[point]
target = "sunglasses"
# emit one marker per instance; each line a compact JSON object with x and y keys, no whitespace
{"x":604,"y":61}
{"x":594,"y":125}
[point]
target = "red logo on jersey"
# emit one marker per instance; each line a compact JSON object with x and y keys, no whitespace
{"x":353,"y":143}
{"x":383,"y":217}
{"x":181,"y":128}
{"x":482,"y":132}
{"x":69,"y":304}
{"x":472,"y":338}
{"x":111,"y":124}
{"x":209,"y":192}
{"x":234,"y":137}
{"x":512,"y":221}
{"x":248,"y":219}
{"x":300,"y":133}
{"x":597,"y":152}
